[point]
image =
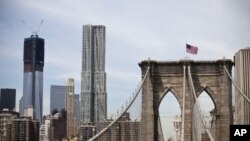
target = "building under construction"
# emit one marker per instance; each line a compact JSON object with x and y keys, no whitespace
{"x":33,"y":58}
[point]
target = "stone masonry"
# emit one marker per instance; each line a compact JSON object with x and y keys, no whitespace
{"x":165,"y":76}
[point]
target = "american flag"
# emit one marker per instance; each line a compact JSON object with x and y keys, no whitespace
{"x":191,"y":49}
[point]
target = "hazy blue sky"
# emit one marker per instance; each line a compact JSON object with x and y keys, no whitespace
{"x":135,"y":30}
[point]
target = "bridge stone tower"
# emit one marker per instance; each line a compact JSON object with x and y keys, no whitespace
{"x":165,"y":76}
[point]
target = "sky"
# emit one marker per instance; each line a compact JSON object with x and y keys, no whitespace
{"x":135,"y":30}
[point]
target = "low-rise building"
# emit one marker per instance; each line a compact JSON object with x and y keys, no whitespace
{"x":5,"y":118}
{"x":23,"y":129}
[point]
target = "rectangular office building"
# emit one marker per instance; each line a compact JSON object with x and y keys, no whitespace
{"x":7,"y":99}
{"x":242,"y":75}
{"x":57,"y":97}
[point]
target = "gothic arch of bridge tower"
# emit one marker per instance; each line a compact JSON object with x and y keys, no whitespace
{"x":165,"y":76}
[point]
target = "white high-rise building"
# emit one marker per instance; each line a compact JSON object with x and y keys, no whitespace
{"x":93,"y":77}
{"x":242,"y":75}
{"x":45,"y":131}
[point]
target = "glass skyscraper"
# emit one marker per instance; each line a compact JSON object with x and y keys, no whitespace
{"x":33,"y":58}
{"x":7,"y":99}
{"x":93,"y":76}
{"x":57,"y":97}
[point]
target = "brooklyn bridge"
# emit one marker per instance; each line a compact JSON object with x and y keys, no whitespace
{"x":186,"y":79}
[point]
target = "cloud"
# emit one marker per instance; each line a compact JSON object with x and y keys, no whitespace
{"x":122,"y":75}
{"x":135,"y":30}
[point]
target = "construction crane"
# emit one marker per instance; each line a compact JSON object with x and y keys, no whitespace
{"x":34,"y":32}
{"x":38,"y":29}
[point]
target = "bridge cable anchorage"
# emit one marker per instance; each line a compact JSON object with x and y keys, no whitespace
{"x":195,"y":97}
{"x":95,"y":137}
{"x":248,"y":100}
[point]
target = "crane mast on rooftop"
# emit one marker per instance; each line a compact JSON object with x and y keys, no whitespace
{"x":34,"y":32}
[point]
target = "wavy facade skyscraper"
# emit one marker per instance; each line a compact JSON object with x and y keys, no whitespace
{"x":93,"y":76}
{"x":33,"y":58}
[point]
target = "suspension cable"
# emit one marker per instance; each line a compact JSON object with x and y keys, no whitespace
{"x":195,"y":97}
{"x":183,"y":107}
{"x":122,"y":113}
{"x":248,"y":100}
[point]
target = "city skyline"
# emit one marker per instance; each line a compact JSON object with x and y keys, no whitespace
{"x":220,"y":29}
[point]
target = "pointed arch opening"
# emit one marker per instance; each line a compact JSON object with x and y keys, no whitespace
{"x":169,"y":123}
{"x":206,"y":106}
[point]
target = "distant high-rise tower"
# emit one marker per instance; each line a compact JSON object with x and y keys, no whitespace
{"x":57,"y":97}
{"x":242,"y":75}
{"x":77,"y":109}
{"x":33,"y":59}
{"x":93,"y":77}
{"x":7,"y":99}
{"x":70,"y":107}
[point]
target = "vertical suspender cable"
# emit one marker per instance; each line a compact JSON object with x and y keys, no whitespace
{"x":195,"y":97}
{"x":183,"y":103}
